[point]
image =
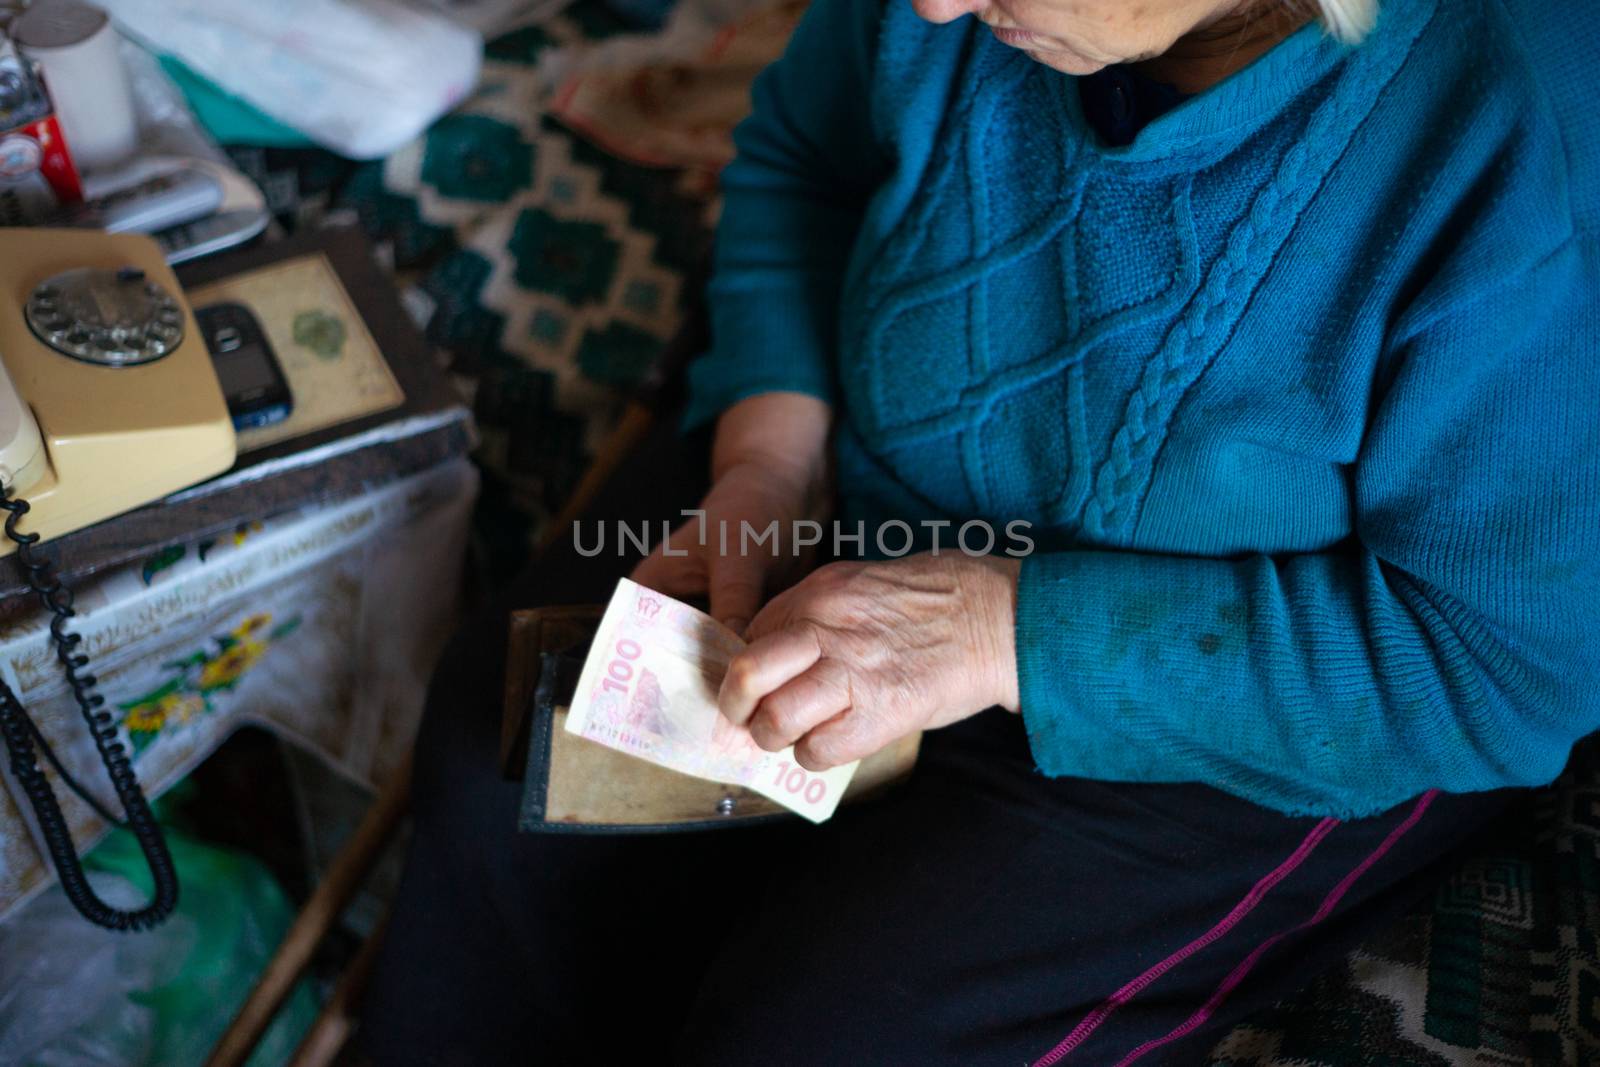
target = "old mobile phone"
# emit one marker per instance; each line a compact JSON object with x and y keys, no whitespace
{"x":252,"y":381}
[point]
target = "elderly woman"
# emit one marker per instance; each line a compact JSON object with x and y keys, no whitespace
{"x":1279,"y":328}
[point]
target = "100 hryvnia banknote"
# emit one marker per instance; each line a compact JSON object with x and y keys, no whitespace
{"x":649,"y":688}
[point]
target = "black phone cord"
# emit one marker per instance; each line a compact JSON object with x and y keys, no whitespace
{"x":21,"y":736}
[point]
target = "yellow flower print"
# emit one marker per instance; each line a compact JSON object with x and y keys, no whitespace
{"x":153,"y":715}
{"x":146,"y":718}
{"x":230,"y":665}
{"x":182,"y":706}
{"x":252,"y":626}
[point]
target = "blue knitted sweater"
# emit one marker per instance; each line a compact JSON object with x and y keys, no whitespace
{"x":1301,"y":389}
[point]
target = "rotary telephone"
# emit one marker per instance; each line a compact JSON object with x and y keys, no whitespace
{"x":108,"y":400}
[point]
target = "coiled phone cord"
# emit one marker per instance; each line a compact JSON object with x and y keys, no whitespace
{"x":21,"y":735}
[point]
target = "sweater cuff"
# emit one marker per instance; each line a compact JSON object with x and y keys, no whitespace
{"x":1108,"y":648}
{"x":767,"y":341}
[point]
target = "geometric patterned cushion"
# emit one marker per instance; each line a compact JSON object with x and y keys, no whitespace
{"x":548,"y":272}
{"x":555,"y":273}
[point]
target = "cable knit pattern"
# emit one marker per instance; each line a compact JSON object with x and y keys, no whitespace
{"x":1255,"y":238}
{"x":1297,"y":390}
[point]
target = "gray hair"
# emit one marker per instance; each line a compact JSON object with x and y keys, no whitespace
{"x":1349,"y":20}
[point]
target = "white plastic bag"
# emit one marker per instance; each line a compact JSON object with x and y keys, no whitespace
{"x":68,"y":990}
{"x":75,"y":995}
{"x":360,"y":77}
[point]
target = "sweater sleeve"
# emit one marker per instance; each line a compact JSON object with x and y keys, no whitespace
{"x":793,"y":196}
{"x":1453,"y":642}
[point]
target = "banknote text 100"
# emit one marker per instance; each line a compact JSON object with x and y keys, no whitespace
{"x":795,"y":779}
{"x":619,"y":670}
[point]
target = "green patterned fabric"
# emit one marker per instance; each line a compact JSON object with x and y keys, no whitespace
{"x":1499,"y":966}
{"x":549,"y":274}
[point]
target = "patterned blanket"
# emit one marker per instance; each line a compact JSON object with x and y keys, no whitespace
{"x":549,"y":272}
{"x":1500,"y":966}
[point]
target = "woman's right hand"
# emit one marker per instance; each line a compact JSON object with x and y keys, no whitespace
{"x":769,"y":463}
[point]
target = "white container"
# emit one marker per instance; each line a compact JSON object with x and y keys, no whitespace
{"x":75,"y":46}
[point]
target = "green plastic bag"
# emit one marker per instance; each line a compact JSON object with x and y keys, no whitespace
{"x":74,"y":995}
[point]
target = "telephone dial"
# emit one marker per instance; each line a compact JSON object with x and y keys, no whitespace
{"x":108,"y":400}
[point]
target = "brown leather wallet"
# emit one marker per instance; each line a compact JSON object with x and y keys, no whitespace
{"x":570,"y":784}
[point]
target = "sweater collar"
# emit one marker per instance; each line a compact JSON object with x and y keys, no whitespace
{"x":1206,"y":126}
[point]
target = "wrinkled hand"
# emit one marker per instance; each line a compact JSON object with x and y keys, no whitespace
{"x":858,"y":655}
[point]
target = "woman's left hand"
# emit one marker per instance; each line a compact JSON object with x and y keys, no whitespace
{"x":859,"y":654}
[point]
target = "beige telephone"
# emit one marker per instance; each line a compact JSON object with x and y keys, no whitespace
{"x":108,"y":398}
